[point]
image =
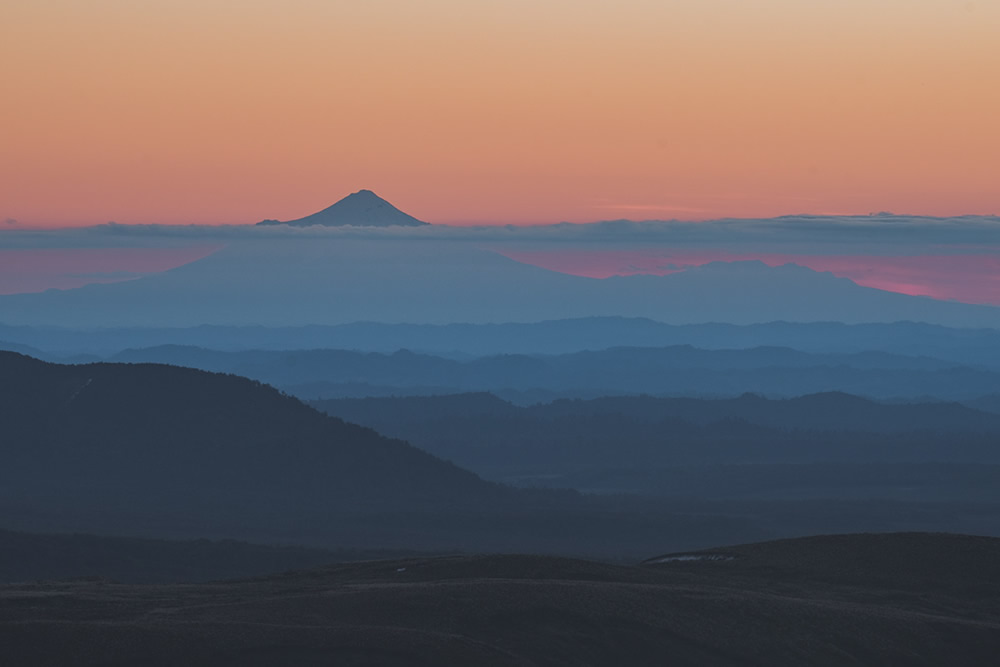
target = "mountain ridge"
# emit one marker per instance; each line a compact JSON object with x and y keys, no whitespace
{"x":670,"y":370}
{"x":363,"y":208}
{"x":978,"y":347}
{"x":159,"y":440}
{"x":337,"y":281}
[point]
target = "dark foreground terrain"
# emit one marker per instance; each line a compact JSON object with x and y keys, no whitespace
{"x":873,"y":599}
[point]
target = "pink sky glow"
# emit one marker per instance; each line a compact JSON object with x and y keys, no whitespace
{"x":36,"y":270}
{"x":972,"y":278}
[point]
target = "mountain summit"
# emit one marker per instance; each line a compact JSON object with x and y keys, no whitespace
{"x":364,"y":208}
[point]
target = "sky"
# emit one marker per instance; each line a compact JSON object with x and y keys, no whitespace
{"x":514,"y":112}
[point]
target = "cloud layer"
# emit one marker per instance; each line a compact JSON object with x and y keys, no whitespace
{"x":818,"y":234}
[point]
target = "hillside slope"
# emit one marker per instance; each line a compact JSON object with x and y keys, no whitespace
{"x":165,"y":452}
{"x":911,"y":599}
{"x":169,"y":446}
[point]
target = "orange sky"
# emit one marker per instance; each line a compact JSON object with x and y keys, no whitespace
{"x":212,"y":111}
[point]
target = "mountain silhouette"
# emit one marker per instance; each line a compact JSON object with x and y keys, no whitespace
{"x":970,"y":347}
{"x":363,"y":208}
{"x":675,"y":370}
{"x":143,"y":450}
{"x":319,"y":280}
{"x":828,"y":411}
{"x":227,"y":454}
{"x":146,"y":450}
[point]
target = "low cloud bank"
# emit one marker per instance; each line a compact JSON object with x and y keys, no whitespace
{"x":879,"y":234}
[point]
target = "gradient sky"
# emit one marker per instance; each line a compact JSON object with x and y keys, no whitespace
{"x":215,"y":111}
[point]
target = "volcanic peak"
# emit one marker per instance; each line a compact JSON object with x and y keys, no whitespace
{"x":363,"y":208}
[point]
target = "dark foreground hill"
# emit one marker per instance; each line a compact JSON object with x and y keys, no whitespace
{"x":33,"y":557}
{"x":165,"y":452}
{"x":903,"y":599}
{"x":186,"y":452}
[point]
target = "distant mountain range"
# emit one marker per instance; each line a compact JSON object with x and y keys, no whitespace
{"x":320,"y":280}
{"x":827,"y":446}
{"x":970,"y":347}
{"x":829,"y":411}
{"x":363,"y":208}
{"x":486,"y":434}
{"x":675,"y":371}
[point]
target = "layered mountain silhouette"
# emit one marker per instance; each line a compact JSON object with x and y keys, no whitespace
{"x":363,"y":208}
{"x":829,"y":411}
{"x":496,"y":438}
{"x":674,"y":370}
{"x":340,"y":280}
{"x":829,"y":446}
{"x":147,"y":450}
{"x":177,"y":449}
{"x":978,"y":348}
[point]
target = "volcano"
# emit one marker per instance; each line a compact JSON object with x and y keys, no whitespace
{"x":363,"y":208}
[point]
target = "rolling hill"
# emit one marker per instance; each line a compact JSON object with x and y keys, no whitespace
{"x":36,"y":557}
{"x":192,"y":451}
{"x":902,"y":599}
{"x":474,"y":429}
{"x":830,"y":445}
{"x":157,"y":451}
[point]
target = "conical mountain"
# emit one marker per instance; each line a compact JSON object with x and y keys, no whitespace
{"x":364,"y":208}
